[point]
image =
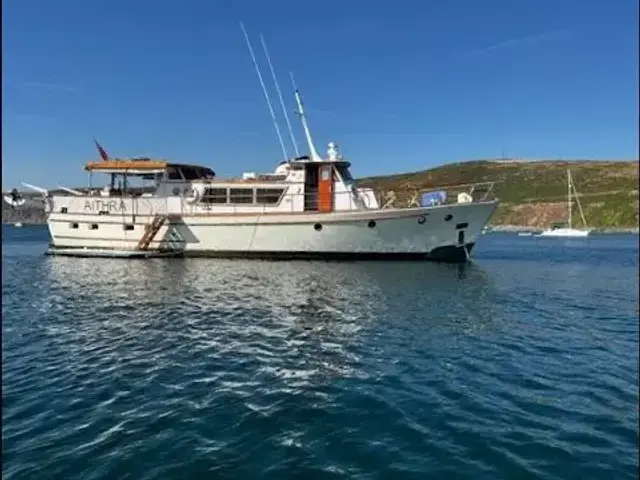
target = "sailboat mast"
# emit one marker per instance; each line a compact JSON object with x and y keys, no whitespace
{"x":569,"y":194}
{"x":575,"y":193}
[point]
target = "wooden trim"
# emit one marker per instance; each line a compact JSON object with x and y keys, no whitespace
{"x":126,"y":165}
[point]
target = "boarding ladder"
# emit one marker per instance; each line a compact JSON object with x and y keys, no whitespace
{"x":151,"y":231}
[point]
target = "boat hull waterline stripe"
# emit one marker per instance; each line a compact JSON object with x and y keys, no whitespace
{"x":448,"y":254}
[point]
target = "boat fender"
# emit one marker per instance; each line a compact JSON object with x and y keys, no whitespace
{"x":191,"y":195}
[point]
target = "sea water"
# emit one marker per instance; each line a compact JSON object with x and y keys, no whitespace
{"x":523,"y":364}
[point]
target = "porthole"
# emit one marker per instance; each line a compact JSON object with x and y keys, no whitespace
{"x":422,"y":219}
{"x":317,"y":227}
{"x":448,"y":217}
{"x":371,"y":224}
{"x":176,"y":191}
{"x":93,"y":226}
{"x":73,"y":225}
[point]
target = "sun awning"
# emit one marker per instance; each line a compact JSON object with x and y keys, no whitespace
{"x":133,"y":167}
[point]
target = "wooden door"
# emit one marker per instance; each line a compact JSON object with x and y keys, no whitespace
{"x":325,"y":189}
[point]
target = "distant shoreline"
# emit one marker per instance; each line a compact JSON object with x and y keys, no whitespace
{"x":524,"y":228}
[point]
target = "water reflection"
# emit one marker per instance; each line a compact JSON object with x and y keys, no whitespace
{"x":231,"y":368}
{"x":297,"y":321}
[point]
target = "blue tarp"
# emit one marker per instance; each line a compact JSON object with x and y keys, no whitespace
{"x":433,"y":198}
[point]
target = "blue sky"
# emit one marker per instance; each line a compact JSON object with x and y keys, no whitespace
{"x":400,"y":86}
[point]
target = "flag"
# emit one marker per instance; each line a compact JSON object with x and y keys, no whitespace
{"x":103,"y":154}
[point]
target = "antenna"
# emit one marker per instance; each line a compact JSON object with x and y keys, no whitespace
{"x":264,"y":89}
{"x":312,"y":150}
{"x":284,"y":110}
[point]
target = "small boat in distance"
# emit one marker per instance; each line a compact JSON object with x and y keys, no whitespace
{"x":17,"y":224}
{"x":14,"y":199}
{"x":567,"y":230}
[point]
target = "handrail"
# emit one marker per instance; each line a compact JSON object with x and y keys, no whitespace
{"x":359,"y":199}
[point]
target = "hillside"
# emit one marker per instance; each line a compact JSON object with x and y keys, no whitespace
{"x":532,"y":193}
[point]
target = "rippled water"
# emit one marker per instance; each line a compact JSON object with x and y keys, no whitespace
{"x":522,"y":365}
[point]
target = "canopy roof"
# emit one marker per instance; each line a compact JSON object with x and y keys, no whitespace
{"x":141,"y":165}
{"x":136,"y":166}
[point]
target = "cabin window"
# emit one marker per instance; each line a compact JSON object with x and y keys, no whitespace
{"x":191,"y":173}
{"x":63,"y":210}
{"x":241,"y":195}
{"x":268,"y":195}
{"x":93,"y":226}
{"x":73,"y":225}
{"x":344,"y":173}
{"x":214,"y":195}
{"x":128,"y":227}
{"x":272,"y":176}
{"x":173,"y":173}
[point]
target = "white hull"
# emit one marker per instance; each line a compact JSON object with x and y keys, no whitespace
{"x":14,"y":202}
{"x":565,"y":232}
{"x":396,"y":231}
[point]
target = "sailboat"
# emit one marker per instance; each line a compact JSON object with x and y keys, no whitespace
{"x":566,"y":230}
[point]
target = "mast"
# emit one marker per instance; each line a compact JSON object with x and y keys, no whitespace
{"x":575,"y":192}
{"x":266,"y":95}
{"x":569,"y":194}
{"x":307,"y":133}
{"x":284,"y":110}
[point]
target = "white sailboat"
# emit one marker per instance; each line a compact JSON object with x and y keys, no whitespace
{"x":559,"y":230}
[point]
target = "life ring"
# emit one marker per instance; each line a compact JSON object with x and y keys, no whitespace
{"x":191,"y":195}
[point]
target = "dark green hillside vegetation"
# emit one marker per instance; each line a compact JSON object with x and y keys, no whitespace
{"x":535,"y":193}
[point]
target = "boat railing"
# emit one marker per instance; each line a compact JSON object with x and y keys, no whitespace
{"x":478,"y":192}
{"x":362,"y":198}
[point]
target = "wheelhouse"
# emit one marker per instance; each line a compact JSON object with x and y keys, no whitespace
{"x":303,"y":184}
{"x":153,"y":175}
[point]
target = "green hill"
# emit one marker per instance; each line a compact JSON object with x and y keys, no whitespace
{"x":532,"y":193}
